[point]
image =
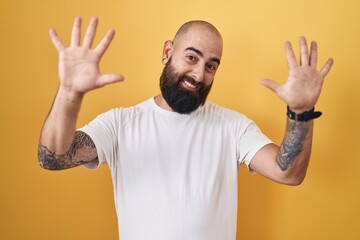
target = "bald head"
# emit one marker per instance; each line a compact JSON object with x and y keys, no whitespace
{"x":199,"y":24}
{"x":198,"y":35}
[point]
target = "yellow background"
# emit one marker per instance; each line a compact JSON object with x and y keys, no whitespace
{"x":78,"y":204}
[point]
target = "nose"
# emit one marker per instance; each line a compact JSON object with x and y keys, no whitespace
{"x":198,"y":73}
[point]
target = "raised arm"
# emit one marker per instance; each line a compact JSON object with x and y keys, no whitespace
{"x":60,"y":146}
{"x":288,"y":163}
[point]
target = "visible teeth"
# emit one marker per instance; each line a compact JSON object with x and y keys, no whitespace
{"x":189,"y":84}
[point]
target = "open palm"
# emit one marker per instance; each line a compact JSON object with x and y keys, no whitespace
{"x":302,"y":89}
{"x":79,"y":65}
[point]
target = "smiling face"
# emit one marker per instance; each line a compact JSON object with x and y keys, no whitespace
{"x":194,"y":57}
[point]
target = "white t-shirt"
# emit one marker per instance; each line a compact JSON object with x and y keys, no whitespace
{"x":175,"y":176}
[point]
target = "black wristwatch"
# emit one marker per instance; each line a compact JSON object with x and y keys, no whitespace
{"x":303,"y":117}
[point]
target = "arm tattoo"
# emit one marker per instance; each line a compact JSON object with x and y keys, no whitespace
{"x":82,"y":150}
{"x":292,"y":144}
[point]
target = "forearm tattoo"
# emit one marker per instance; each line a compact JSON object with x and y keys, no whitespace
{"x":81,"y":151}
{"x":292,"y":144}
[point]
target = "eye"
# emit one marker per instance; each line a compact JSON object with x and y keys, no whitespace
{"x":191,"y":58}
{"x":211,"y":67}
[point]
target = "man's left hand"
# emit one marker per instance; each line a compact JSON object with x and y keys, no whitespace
{"x":302,"y":89}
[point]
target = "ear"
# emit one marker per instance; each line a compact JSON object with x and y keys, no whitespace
{"x":168,"y":50}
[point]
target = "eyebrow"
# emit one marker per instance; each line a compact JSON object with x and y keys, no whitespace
{"x":198,"y":52}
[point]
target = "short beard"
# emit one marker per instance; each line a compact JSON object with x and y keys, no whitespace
{"x":177,"y":97}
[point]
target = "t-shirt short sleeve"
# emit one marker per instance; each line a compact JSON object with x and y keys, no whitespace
{"x":103,"y":131}
{"x":250,"y":141}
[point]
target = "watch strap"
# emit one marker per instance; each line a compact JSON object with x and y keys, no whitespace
{"x":303,"y":117}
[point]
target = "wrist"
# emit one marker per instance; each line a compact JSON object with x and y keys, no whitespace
{"x":300,"y":110}
{"x":70,"y":95}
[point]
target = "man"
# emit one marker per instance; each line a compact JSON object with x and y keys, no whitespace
{"x":174,"y":158}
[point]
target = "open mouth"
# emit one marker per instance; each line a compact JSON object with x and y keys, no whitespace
{"x":189,"y":86}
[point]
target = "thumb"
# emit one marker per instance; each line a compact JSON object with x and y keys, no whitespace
{"x":109,"y":78}
{"x":272,"y":85}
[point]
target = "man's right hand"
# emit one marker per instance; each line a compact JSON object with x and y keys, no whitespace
{"x":79,"y":65}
